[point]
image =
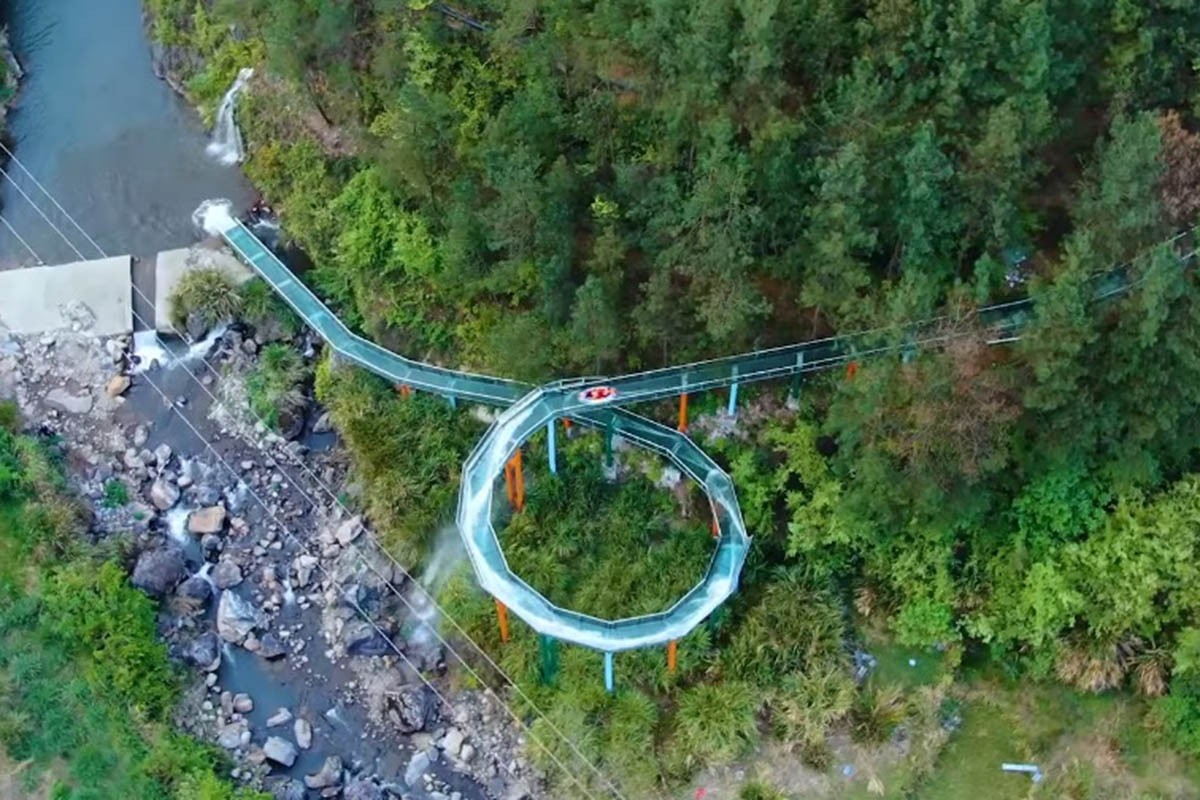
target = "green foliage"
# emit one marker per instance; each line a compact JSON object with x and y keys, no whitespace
{"x":97,"y":612}
{"x":262,"y":309}
{"x":209,"y":294}
{"x":86,"y":691}
{"x":757,"y":790}
{"x":714,"y":725}
{"x":10,"y":416}
{"x":408,"y":454}
{"x":573,"y":540}
{"x":275,"y":387}
{"x":116,"y":493}
{"x":1178,"y":714}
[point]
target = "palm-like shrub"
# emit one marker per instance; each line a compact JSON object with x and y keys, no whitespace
{"x":208,"y":294}
{"x":713,"y":725}
{"x":275,"y":388}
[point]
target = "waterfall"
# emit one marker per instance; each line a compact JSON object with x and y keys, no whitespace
{"x":226,"y":145}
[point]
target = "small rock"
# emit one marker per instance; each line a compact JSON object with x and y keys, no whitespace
{"x":304,"y":566}
{"x":349,"y":530}
{"x":280,"y":717}
{"x":363,"y":789}
{"x":281,"y":751}
{"x":117,"y":385}
{"x":162,"y":455}
{"x":330,"y":774}
{"x":226,"y":574}
{"x":417,"y":766}
{"x":243,"y":703}
{"x":140,"y":435}
{"x":270,"y":648}
{"x":304,"y":733}
{"x":323,"y":424}
{"x":159,"y":571}
{"x":466,"y":754}
{"x":212,"y":545}
{"x":163,"y":493}
{"x":230,"y":736}
{"x":292,"y":790}
{"x":452,"y":742}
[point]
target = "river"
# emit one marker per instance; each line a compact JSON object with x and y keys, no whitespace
{"x":118,"y":149}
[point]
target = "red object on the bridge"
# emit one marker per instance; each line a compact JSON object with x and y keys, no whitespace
{"x":701,"y":793}
{"x":851,"y":370}
{"x":597,"y":394}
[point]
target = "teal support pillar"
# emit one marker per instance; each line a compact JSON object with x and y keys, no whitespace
{"x":548,"y":646}
{"x":453,"y":401}
{"x":794,"y":390}
{"x":608,"y":672}
{"x":733,"y":393}
{"x":609,"y":430}
{"x":550,"y":447}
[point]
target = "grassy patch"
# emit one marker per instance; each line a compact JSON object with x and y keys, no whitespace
{"x":116,"y":494}
{"x":210,"y":294}
{"x":275,"y":388}
{"x":574,"y":539}
{"x":262,"y":309}
{"x":86,"y":690}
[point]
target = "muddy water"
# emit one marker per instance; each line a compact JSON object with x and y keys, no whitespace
{"x":117,"y":148}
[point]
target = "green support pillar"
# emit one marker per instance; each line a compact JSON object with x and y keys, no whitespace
{"x":548,"y":646}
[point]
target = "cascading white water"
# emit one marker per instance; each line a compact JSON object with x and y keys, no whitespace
{"x":177,"y":519}
{"x":214,"y":216}
{"x":447,"y":555}
{"x":148,"y":352}
{"x":226,"y":145}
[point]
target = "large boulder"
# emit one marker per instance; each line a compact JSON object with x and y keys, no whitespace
{"x":196,"y":590}
{"x":159,"y":571}
{"x":412,"y":709}
{"x":304,"y":733}
{"x":362,"y":789}
{"x":163,"y":493}
{"x":417,"y":767}
{"x":234,"y":735}
{"x":360,"y":638}
{"x":235,"y":618}
{"x":207,"y":520}
{"x":349,"y":530}
{"x":205,"y":652}
{"x":281,"y":751}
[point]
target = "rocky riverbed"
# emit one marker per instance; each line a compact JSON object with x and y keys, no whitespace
{"x":306,"y":659}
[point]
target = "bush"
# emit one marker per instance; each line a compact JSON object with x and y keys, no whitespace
{"x":757,"y":790}
{"x":876,"y":714}
{"x":262,"y":309}
{"x":275,"y":388}
{"x":791,"y":627}
{"x":1178,"y":714}
{"x":209,"y":294}
{"x":10,"y":416}
{"x":714,"y":725}
{"x":116,"y":494}
{"x":98,"y":613}
{"x":806,"y":705}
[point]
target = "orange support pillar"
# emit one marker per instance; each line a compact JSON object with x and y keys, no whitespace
{"x":514,"y":481}
{"x":404,"y":389}
{"x":672,"y":656}
{"x":851,"y":370}
{"x":683,"y":398}
{"x":502,"y":615}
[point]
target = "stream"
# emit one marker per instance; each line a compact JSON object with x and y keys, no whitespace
{"x":117,"y":148}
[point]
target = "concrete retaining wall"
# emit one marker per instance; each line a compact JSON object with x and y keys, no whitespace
{"x":84,"y":295}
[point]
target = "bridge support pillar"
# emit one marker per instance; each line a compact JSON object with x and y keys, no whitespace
{"x":672,"y":656}
{"x":514,"y":481}
{"x":793,"y":398}
{"x":502,"y":616}
{"x":683,"y":417}
{"x":608,"y":672}
{"x":453,"y":401}
{"x":733,"y":393}
{"x":550,"y":447}
{"x":609,"y":430}
{"x":548,"y":646}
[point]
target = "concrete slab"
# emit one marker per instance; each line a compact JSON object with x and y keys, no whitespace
{"x":171,"y":265}
{"x":84,"y":295}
